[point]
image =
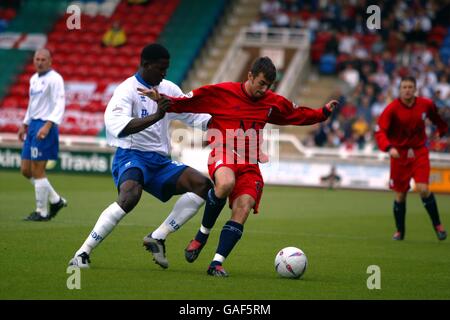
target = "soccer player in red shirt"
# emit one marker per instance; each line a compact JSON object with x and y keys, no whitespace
{"x":401,"y":133}
{"x":233,"y":162}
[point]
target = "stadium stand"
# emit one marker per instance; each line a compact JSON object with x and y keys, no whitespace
{"x":343,"y":51}
{"x":92,"y":71}
{"x":185,"y":36}
{"x":413,"y":39}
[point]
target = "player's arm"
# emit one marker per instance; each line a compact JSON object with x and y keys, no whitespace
{"x":201,"y":100}
{"x":139,"y":124}
{"x":119,"y":120}
{"x":381,"y":133}
{"x":434,"y":116}
{"x":23,"y":129}
{"x":58,"y":101}
{"x":288,"y":113}
{"x":194,"y":120}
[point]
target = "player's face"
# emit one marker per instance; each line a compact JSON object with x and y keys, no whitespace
{"x":407,"y":90}
{"x":155,"y":72}
{"x":42,"y":61}
{"x":258,"y":85}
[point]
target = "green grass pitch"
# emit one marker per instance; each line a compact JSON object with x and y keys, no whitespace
{"x":342,"y":233}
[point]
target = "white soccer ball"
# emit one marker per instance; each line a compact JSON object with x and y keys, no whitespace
{"x":291,"y":262}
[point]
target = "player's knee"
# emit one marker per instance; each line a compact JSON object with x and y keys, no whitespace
{"x":240,"y":214}
{"x":400,"y":196}
{"x":129,"y":195}
{"x":26,"y":172}
{"x":424,"y":193}
{"x":201,"y":186}
{"x":224,"y":186}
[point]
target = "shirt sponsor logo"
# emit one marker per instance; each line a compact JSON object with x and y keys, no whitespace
{"x":144,"y":113}
{"x":33,"y":93}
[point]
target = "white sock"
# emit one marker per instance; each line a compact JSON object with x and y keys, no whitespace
{"x":109,"y":218}
{"x":183,"y":210}
{"x":52,"y":195}
{"x":41,"y":193}
{"x":218,"y":257}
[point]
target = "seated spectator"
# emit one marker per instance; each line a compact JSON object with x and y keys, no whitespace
{"x":378,"y":106}
{"x":364,"y":110}
{"x":347,"y":43}
{"x":350,"y":75}
{"x":327,"y":63}
{"x":360,"y":127}
{"x":115,"y":36}
{"x":443,"y":87}
{"x":259,"y":26}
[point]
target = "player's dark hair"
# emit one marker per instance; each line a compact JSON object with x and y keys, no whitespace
{"x":266,"y":66}
{"x":409,"y":78}
{"x":154,"y":52}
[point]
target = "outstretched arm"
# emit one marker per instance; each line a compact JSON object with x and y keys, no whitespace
{"x":201,"y":100}
{"x":289,"y":113}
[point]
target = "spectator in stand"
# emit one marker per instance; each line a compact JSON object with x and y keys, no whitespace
{"x":115,"y":36}
{"x":443,"y":87}
{"x":269,"y":9}
{"x":347,"y":43}
{"x":350,"y":75}
{"x":378,"y":106}
{"x":360,"y":128}
{"x":364,"y":109}
{"x":259,"y":26}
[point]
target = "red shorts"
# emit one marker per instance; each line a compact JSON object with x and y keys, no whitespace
{"x":413,"y":163}
{"x":248,"y":181}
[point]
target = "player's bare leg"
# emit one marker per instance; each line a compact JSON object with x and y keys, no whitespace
{"x":399,"y":215}
{"x":429,"y":202}
{"x":215,"y":201}
{"x":194,"y":189}
{"x":231,"y":233}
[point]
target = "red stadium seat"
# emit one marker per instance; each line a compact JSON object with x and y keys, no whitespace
{"x":19,"y":89}
{"x":10,"y":102}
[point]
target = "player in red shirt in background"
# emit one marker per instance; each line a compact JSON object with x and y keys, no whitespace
{"x":233,"y":163}
{"x":401,"y":133}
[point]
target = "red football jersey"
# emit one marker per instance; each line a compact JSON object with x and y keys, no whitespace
{"x":401,"y":126}
{"x":232,"y":108}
